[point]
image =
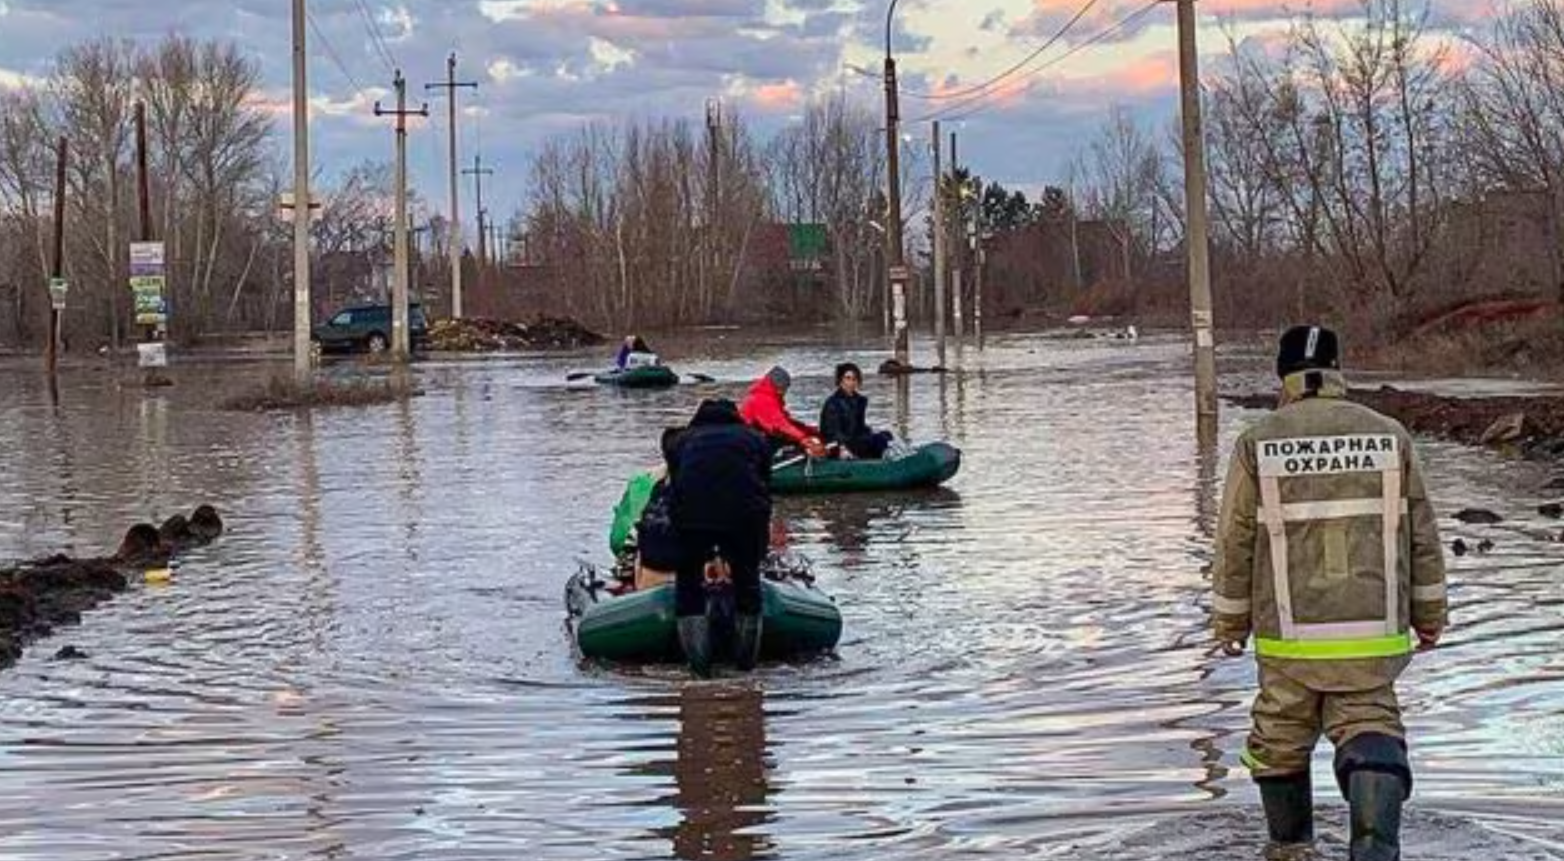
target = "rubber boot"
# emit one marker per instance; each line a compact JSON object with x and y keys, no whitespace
{"x":1289,"y":808}
{"x":695,"y":640}
{"x":1376,"y":798}
{"x":746,"y":641}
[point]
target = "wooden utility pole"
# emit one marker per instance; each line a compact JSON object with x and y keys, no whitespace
{"x":895,"y":263}
{"x":1196,"y":242}
{"x":958,"y":230}
{"x":450,"y":87}
{"x":400,"y":347}
{"x":478,"y":172}
{"x":57,"y":262}
{"x":301,"y":202}
{"x":939,"y":252}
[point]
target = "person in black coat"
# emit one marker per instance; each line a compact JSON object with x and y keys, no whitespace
{"x":719,"y":497}
{"x":843,"y":422}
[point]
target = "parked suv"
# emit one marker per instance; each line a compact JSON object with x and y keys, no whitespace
{"x":368,"y":327}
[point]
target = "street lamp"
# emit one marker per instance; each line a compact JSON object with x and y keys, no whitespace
{"x":896,"y":268}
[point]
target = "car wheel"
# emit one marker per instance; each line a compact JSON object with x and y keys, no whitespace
{"x":376,"y":342}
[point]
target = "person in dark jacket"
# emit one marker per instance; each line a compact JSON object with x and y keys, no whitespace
{"x":843,"y":422}
{"x":719,"y":498}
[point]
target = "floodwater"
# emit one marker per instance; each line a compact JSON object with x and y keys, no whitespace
{"x":372,"y":662}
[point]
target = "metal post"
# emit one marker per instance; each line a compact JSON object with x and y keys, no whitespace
{"x":454,"y":229}
{"x":301,"y":202}
{"x":1196,"y":242}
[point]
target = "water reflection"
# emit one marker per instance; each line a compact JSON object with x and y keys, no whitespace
{"x":722,"y":774}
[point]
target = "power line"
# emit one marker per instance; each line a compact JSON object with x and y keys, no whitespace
{"x":375,"y":38}
{"x":331,"y":53}
{"x":975,"y":105}
{"x":991,"y":82}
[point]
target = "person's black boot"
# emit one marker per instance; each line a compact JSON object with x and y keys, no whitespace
{"x":1289,"y":808}
{"x":1376,"y":799}
{"x":746,"y":641}
{"x":695,"y":640}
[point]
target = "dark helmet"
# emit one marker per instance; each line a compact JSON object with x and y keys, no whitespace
{"x":1307,"y":348}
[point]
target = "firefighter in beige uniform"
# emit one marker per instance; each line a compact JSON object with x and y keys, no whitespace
{"x":1329,"y":555}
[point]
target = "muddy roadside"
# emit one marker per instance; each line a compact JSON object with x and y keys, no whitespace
{"x":1526,"y":425}
{"x":40,"y":596}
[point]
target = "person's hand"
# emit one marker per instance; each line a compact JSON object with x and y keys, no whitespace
{"x":1427,"y":638}
{"x":814,"y":447}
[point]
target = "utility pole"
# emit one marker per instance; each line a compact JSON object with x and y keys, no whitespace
{"x":958,"y":228}
{"x":301,"y":203}
{"x":450,"y":86}
{"x":895,"y":263}
{"x":977,"y":286}
{"x":939,"y":252}
{"x":478,"y":172}
{"x":1196,"y":243}
{"x":400,"y":348}
{"x":57,"y":263}
{"x":142,"y":270}
{"x":713,"y":195}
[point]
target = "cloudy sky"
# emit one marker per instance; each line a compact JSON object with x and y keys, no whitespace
{"x":547,"y":66}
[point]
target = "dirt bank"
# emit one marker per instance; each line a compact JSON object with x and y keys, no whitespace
{"x":476,"y":334}
{"x":39,"y":596}
{"x":1532,"y":426}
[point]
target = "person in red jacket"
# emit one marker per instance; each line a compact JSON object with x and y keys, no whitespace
{"x":765,"y":409}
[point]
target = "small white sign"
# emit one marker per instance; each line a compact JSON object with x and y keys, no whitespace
{"x":146,"y":254}
{"x":152,"y":355}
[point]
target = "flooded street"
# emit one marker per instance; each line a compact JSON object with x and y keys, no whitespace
{"x":372,"y":662}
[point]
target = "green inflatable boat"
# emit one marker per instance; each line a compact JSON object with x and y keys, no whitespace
{"x":927,"y":466}
{"x":799,"y":620}
{"x":644,"y":377}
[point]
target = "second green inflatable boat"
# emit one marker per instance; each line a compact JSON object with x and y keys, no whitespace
{"x":927,"y":466}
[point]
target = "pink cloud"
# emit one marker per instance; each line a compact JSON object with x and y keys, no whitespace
{"x":774,"y":98}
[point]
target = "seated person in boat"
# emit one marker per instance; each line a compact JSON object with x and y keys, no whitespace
{"x":643,"y":531}
{"x":843,"y":422}
{"x":633,"y":353}
{"x":720,"y":499}
{"x":765,"y":409}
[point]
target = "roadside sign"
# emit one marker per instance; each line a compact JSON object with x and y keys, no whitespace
{"x":147,"y":283}
{"x":58,"y":287}
{"x":900,"y":273}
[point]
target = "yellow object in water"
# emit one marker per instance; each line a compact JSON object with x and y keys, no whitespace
{"x":159,"y":575}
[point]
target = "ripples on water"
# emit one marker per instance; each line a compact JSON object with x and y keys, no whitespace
{"x":372,"y":662}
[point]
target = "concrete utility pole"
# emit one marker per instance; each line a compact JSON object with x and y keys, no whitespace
{"x":939,"y":252}
{"x":301,"y":202}
{"x":400,"y":348}
{"x":977,"y":287}
{"x":895,"y":263}
{"x":1195,"y":242}
{"x":454,"y":229}
{"x":958,"y":228}
{"x":478,"y":172}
